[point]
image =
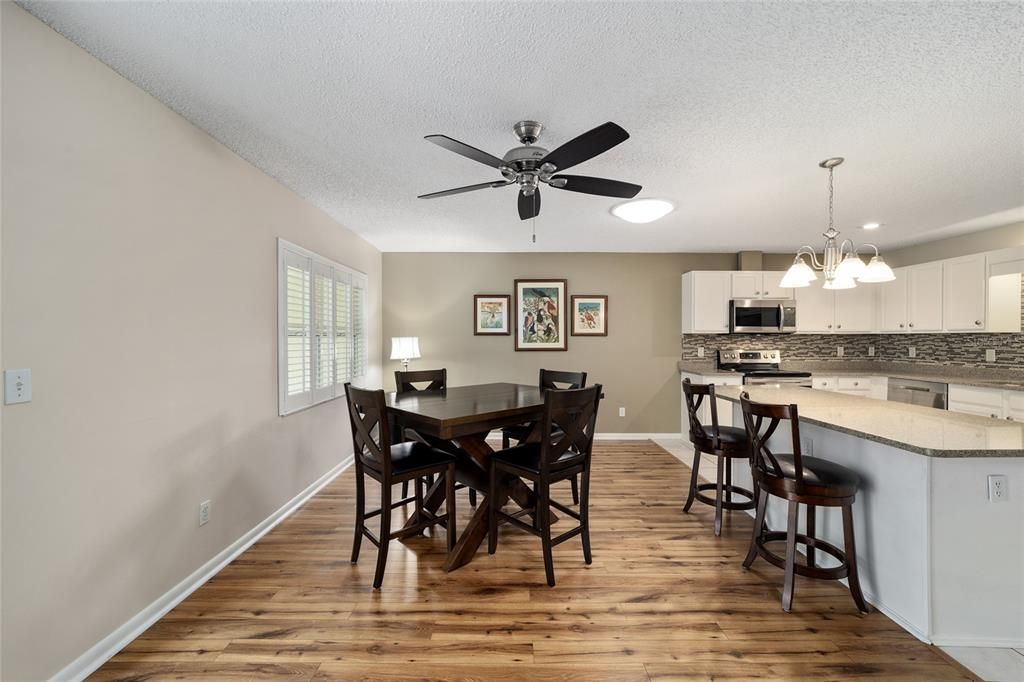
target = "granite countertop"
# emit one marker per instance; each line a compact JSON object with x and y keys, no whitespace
{"x":923,"y":430}
{"x":945,"y":374}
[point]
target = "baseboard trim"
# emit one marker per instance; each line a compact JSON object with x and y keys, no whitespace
{"x":976,"y":642}
{"x":633,"y":436}
{"x":106,"y":648}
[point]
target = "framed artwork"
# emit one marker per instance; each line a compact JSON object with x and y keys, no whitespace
{"x":491,"y":314}
{"x":540,"y":314}
{"x":589,"y":315}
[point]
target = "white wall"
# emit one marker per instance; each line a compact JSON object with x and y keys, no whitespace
{"x":139,"y":284}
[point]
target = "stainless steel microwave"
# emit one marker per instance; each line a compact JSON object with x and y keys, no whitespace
{"x":753,"y":316}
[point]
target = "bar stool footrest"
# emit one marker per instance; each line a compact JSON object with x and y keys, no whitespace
{"x":734,"y":489}
{"x":834,"y":573}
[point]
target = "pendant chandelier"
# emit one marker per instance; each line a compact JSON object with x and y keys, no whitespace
{"x":840,"y":263}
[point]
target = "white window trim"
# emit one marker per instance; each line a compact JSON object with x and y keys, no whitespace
{"x":317,"y":264}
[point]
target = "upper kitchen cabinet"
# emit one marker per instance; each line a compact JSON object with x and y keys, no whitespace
{"x":815,"y":309}
{"x":706,"y":302}
{"x":964,"y":293}
{"x":856,"y":309}
{"x":755,"y":284}
{"x":913,"y":301}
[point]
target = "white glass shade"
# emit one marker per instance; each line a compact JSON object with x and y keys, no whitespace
{"x":877,"y":270}
{"x":840,"y":283}
{"x":405,"y":347}
{"x":852,"y":267}
{"x":800,"y":274}
{"x":643,"y":210}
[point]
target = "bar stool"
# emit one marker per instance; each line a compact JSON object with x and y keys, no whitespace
{"x":725,"y":443}
{"x":800,"y":480}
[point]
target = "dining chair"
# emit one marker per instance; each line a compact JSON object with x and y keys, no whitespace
{"x":798,"y":479}
{"x":565,"y":451}
{"x":550,"y":379}
{"x":725,"y":443}
{"x":421,"y":380}
{"x":376,"y":457}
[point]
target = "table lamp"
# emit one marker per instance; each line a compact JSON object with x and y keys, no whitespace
{"x":405,"y":348}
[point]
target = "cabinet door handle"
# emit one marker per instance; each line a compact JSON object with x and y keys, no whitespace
{"x":757,"y":292}
{"x":901,"y":325}
{"x":995,"y":416}
{"x":856,"y":383}
{"x":830,"y":326}
{"x":911,"y":324}
{"x":839,"y":326}
{"x":1008,"y":418}
{"x":977,"y":323}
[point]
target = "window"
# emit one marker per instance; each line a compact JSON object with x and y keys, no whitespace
{"x":321,"y":327}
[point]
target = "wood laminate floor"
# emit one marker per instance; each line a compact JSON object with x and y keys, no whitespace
{"x":664,"y":599}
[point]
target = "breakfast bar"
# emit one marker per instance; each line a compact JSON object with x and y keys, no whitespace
{"x":938,"y":553}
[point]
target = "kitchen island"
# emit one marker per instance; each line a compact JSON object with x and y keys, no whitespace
{"x":934,"y":552}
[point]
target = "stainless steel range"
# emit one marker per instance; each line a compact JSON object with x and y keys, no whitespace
{"x":761,"y":367}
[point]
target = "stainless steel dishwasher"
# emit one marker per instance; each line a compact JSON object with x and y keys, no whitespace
{"x":914,"y":392}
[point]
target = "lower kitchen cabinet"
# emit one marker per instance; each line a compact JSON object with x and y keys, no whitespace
{"x":987,"y":402}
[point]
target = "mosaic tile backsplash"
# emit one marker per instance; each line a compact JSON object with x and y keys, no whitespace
{"x":964,"y":350}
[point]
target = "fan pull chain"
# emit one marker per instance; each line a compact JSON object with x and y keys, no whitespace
{"x":534,"y":218}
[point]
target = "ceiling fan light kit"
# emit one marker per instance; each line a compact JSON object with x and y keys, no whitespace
{"x":529,"y":166}
{"x":840,"y":263}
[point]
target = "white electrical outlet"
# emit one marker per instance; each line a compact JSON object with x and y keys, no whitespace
{"x":700,"y":351}
{"x":622,"y":411}
{"x":17,"y":386}
{"x":997,"y":488}
{"x":912,"y":352}
{"x":990,"y":355}
{"x":840,"y":351}
{"x":204,"y":512}
{"x":871,"y":351}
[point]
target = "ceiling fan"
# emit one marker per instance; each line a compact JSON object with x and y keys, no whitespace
{"x":530,"y":165}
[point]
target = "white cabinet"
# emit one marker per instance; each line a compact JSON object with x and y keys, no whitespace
{"x":924,"y":297}
{"x":964,"y":293}
{"x":855,"y":309}
{"x":706,"y":302}
{"x":854,"y":386}
{"x":757,"y":284}
{"x":892,"y":303}
{"x":815,"y":309}
{"x":866,"y":386}
{"x":987,"y":402}
{"x":823,"y":383}
{"x":913,"y":301}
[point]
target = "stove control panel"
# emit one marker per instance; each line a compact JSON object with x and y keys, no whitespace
{"x":736,"y":356}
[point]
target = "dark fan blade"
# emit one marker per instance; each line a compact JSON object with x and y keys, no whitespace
{"x":601,"y":186}
{"x":587,"y":146}
{"x":529,"y":207}
{"x":460,"y":190}
{"x":464,"y":149}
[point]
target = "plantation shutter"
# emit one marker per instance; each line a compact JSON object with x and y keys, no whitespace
{"x":297,"y":369}
{"x":342,"y":328}
{"x":323,"y":332}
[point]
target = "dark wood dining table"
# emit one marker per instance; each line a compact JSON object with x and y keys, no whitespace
{"x":463,"y":416}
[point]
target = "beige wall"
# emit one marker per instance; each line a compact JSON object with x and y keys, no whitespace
{"x":975,"y":242}
{"x":139,"y":284}
{"x":430,"y":295}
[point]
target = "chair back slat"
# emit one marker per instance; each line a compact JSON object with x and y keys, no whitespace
{"x":371,"y":434}
{"x":436,"y":380}
{"x":558,"y":379}
{"x":570,"y":416}
{"x":694,"y":395}
{"x":761,"y":421}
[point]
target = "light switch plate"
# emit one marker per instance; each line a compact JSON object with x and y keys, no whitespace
{"x":990,"y":355}
{"x":871,"y":351}
{"x":700,"y":351}
{"x":912,"y":352}
{"x":17,"y":386}
{"x":840,"y":351}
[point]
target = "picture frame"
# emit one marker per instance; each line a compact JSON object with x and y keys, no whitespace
{"x":589,"y":315}
{"x":540,"y":315}
{"x":491,"y":315}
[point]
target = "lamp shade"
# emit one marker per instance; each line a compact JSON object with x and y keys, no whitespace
{"x":851,"y":267}
{"x":405,"y":347}
{"x":877,"y":270}
{"x":799,"y":274}
{"x":840,"y":283}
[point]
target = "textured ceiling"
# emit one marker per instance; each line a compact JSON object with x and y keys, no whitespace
{"x":730,"y":107}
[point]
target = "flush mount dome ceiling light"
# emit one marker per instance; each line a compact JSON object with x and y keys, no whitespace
{"x":643,"y":210}
{"x":840,"y":264}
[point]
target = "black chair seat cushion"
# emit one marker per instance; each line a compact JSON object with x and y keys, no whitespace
{"x":819,"y":472}
{"x":527,"y":458}
{"x":412,"y":455}
{"x":728,"y":434}
{"x":520,"y":432}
